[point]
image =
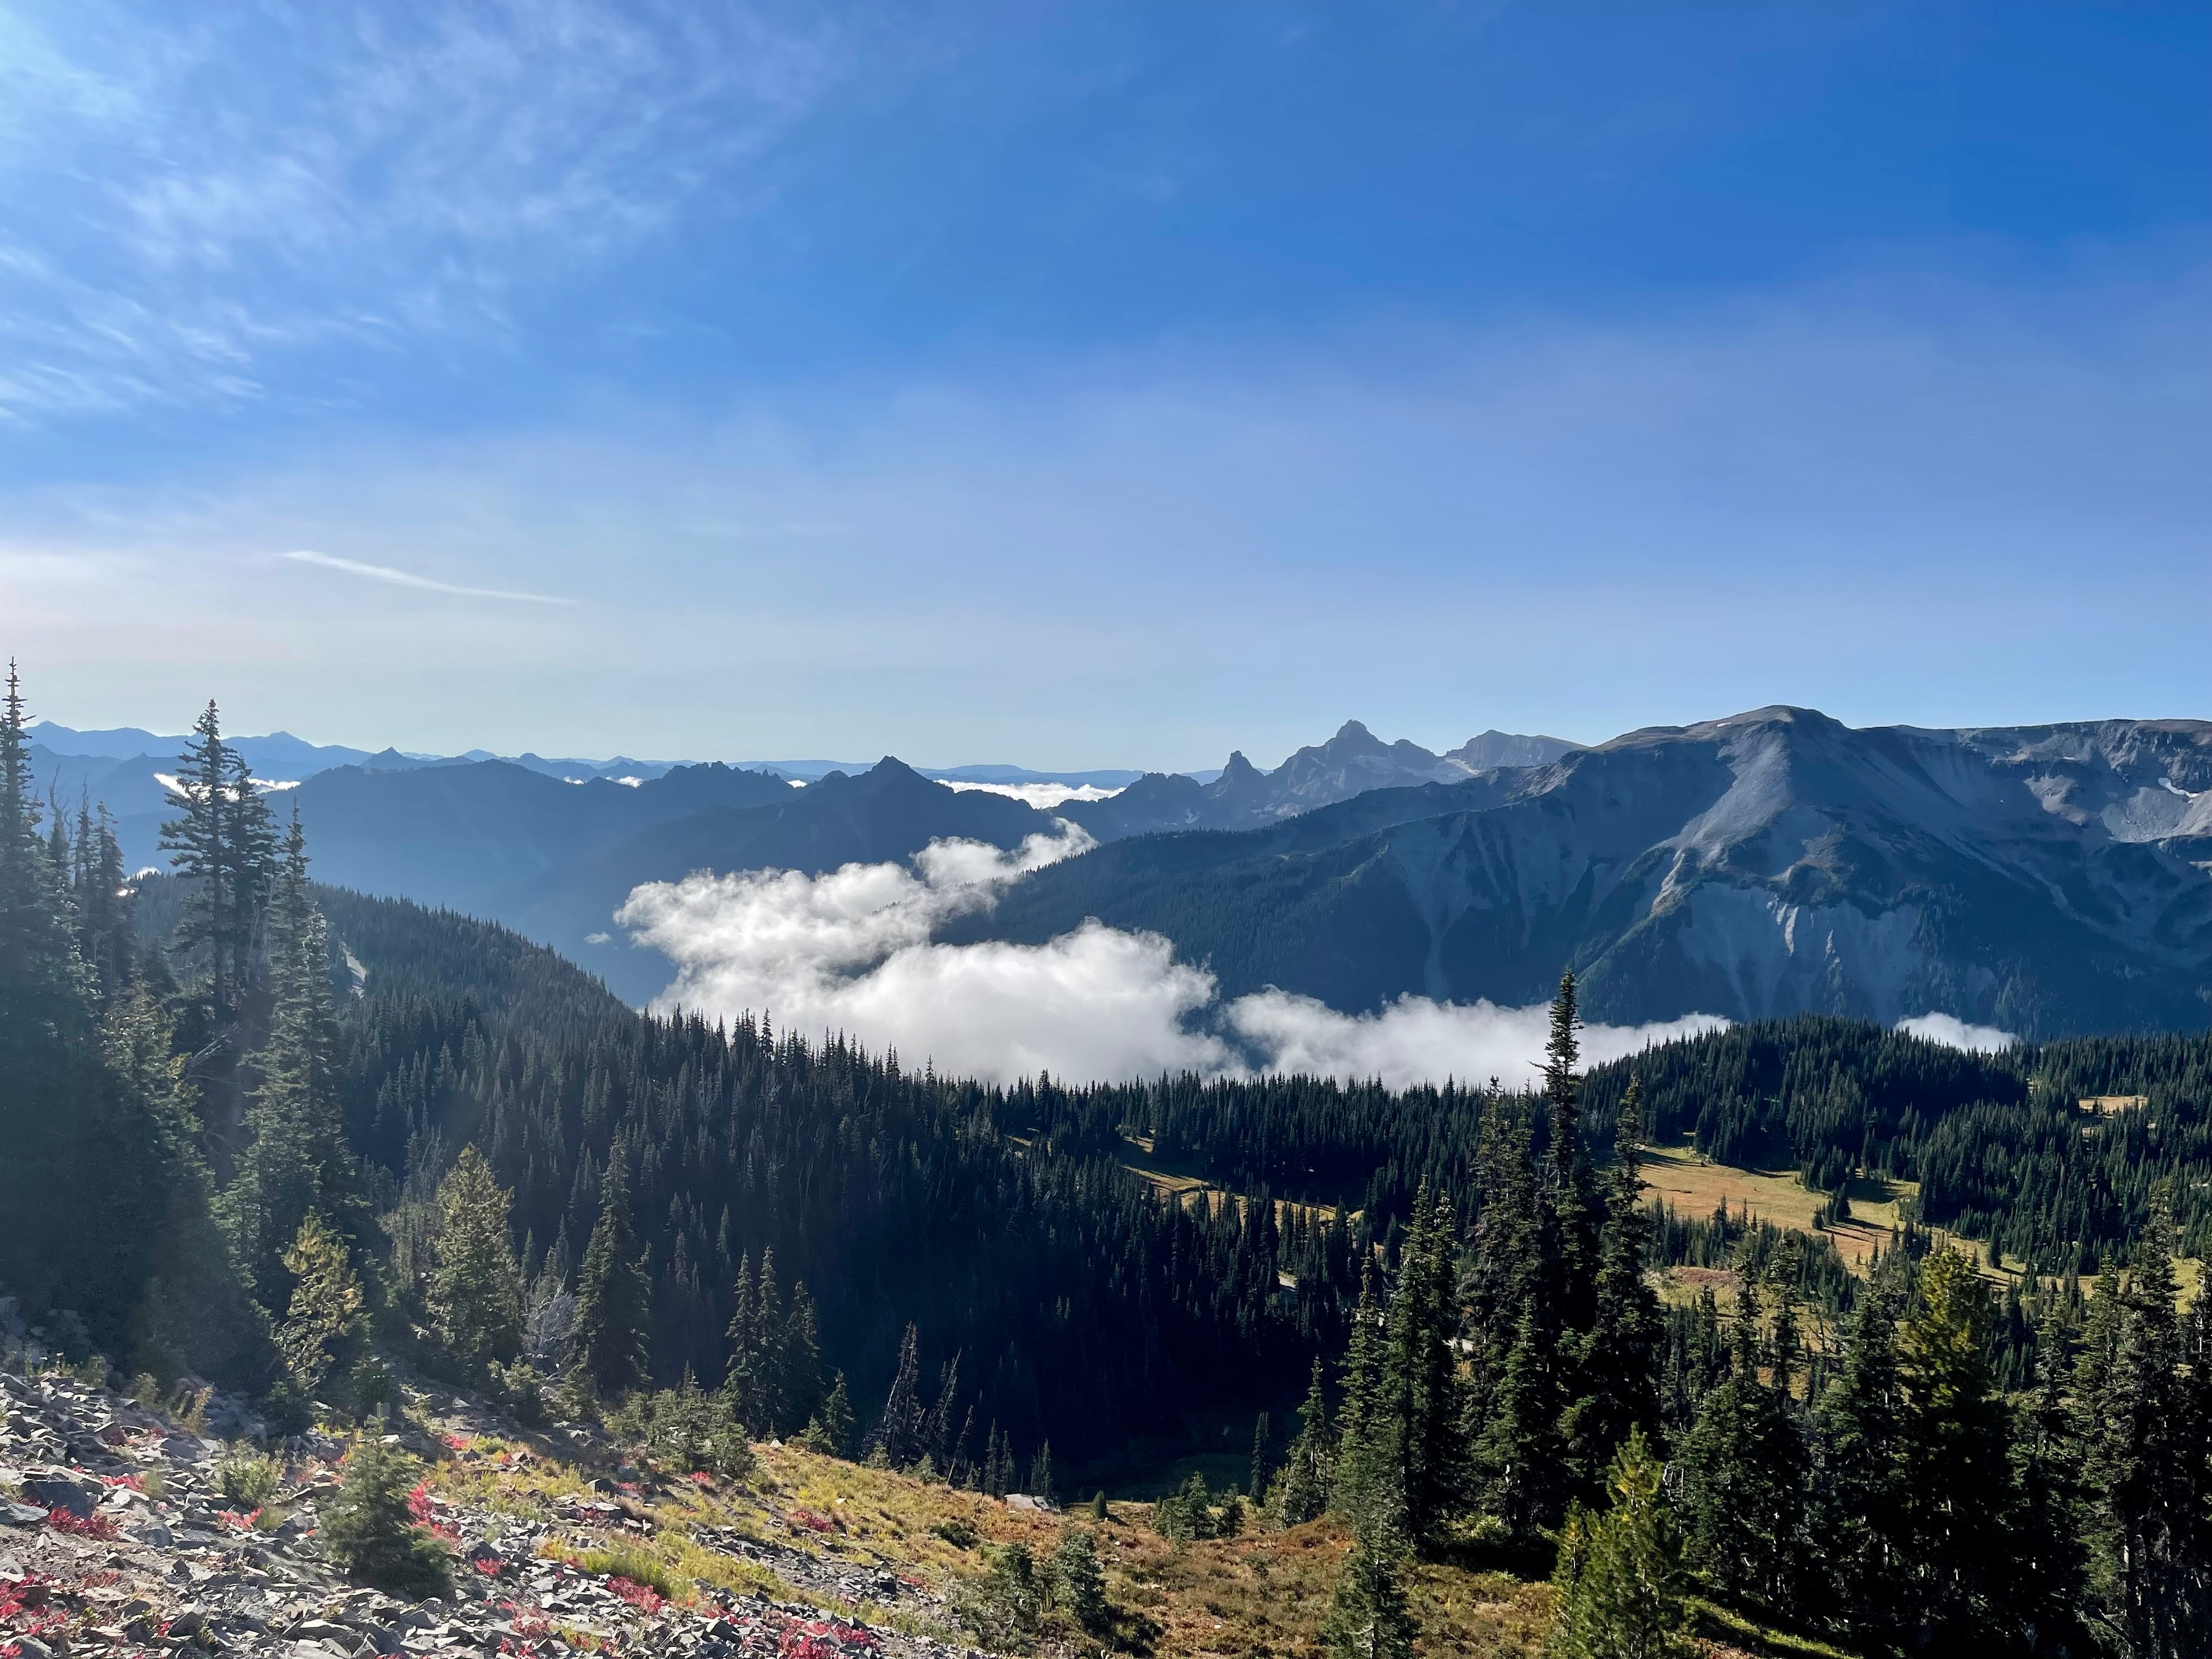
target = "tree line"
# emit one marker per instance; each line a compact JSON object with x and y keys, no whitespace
{"x":1515,"y":1386}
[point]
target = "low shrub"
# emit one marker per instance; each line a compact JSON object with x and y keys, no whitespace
{"x":244,"y":1476}
{"x":633,"y":1565}
{"x":370,"y":1530}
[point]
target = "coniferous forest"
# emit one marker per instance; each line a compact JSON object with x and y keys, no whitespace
{"x":264,"y":1132}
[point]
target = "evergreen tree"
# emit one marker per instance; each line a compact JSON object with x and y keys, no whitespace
{"x":830,"y":1430}
{"x":45,"y":991}
{"x":296,"y":1161}
{"x":1569,"y":1204}
{"x":1619,"y":1573}
{"x":1860,"y":1469}
{"x":1504,"y":1271}
{"x":106,"y":933}
{"x":1517,"y":1453}
{"x":1079,"y":1584}
{"x":369,"y":1532}
{"x":800,"y":1382}
{"x":193,"y":1315}
{"x":1041,"y":1474}
{"x":769,"y":1336}
{"x":1368,"y":1614}
{"x":476,"y":1290}
{"x":741,"y":1381}
{"x":1303,"y":1493}
{"x":2146,"y":1459}
{"x":1419,"y":1406}
{"x":1618,"y":1363}
{"x":898,"y":1431}
{"x":607,"y":1343}
{"x":224,"y":844}
{"x":326,"y":1332}
{"x":1957,"y":1479}
{"x":1366,"y":1477}
{"x":1744,"y":1468}
{"x":1257,"y":1481}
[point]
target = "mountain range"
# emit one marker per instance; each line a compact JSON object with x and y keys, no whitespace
{"x":2044,"y":879}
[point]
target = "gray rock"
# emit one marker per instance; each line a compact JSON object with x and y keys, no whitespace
{"x":56,"y":1489}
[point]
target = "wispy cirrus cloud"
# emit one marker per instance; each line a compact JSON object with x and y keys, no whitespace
{"x":192,"y":194}
{"x":384,"y":573}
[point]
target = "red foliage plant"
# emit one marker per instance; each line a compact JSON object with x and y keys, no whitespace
{"x":810,"y":1520}
{"x":95,"y":1525}
{"x":23,"y":1607}
{"x":425,"y":1512}
{"x":638,"y":1596}
{"x":814,"y":1639}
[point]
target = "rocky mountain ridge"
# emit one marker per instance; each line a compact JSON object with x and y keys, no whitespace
{"x":2046,"y":879}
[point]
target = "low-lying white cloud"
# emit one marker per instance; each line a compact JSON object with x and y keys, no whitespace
{"x":1417,"y":1040}
{"x":1956,"y":1033}
{"x":852,"y":951}
{"x":1043,"y":796}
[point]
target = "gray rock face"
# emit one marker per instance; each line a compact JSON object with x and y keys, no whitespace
{"x":2045,"y":879}
{"x":1353,"y":762}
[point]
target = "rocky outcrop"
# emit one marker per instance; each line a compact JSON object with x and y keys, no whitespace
{"x":117,"y":1539}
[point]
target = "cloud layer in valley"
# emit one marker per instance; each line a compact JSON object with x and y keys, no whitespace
{"x":1956,"y":1033}
{"x":1043,"y":796}
{"x":851,"y":952}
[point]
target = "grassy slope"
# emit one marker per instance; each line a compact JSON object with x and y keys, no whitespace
{"x":1259,"y":1596}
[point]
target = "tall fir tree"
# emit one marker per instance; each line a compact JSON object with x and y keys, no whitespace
{"x":2145,"y":1462}
{"x":1366,"y":1480}
{"x":1617,"y":1363}
{"x":1516,"y":1455}
{"x":614,"y":1290}
{"x":1568,"y":1202}
{"x":1504,"y":1268}
{"x":1745,"y":1465}
{"x":800,"y":1369}
{"x":224,"y":844}
{"x":1957,"y":1482}
{"x":1419,"y":1407}
{"x":45,"y":990}
{"x":1309,"y":1466}
{"x":1860,"y":1472}
{"x":897,"y":1433}
{"x":741,"y":1384}
{"x":474,"y":1292}
{"x":296,"y":1162}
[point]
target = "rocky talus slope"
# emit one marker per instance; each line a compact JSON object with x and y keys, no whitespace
{"x":116,"y":1540}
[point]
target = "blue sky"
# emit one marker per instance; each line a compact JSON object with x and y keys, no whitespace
{"x":1101,"y":385}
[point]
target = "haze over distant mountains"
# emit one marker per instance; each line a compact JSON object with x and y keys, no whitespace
{"x":2043,"y":879}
